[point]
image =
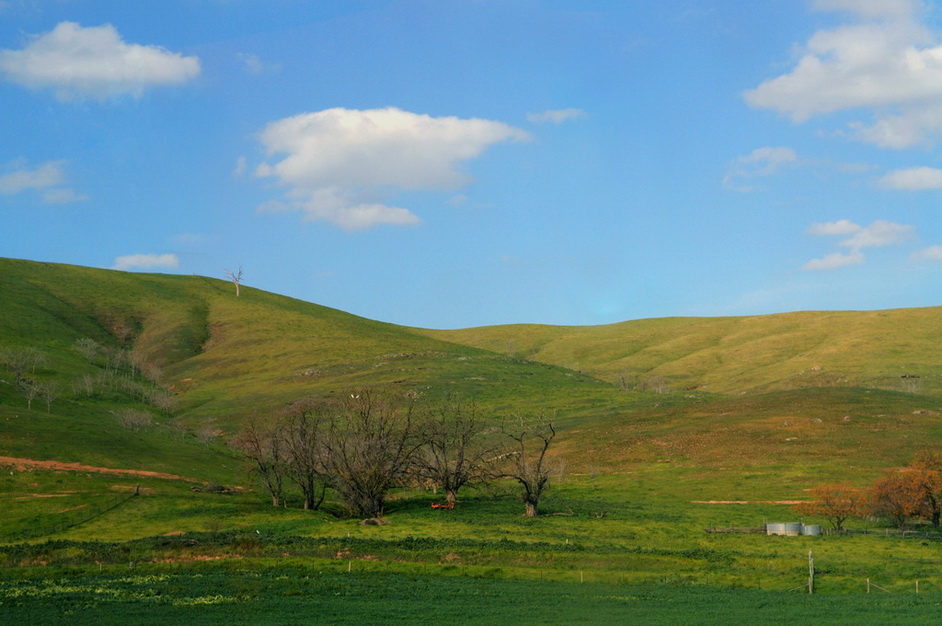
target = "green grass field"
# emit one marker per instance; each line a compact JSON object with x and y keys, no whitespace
{"x":748,"y":415}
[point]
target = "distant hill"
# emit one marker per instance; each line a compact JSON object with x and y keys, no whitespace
{"x":894,"y":349}
{"x":696,"y":390}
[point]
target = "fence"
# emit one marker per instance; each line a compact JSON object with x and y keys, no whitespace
{"x":74,"y":518}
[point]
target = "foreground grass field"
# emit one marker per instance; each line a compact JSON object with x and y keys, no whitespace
{"x":323,"y":592}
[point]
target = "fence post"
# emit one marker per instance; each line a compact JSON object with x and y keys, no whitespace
{"x":810,"y":572}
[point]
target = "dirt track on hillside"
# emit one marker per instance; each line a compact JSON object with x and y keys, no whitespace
{"x":26,"y":464}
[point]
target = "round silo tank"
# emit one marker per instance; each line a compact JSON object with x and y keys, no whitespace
{"x":792,"y":529}
{"x":811,"y":530}
{"x":775,"y":528}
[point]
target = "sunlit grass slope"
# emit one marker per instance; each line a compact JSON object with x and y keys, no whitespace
{"x":887,"y":349}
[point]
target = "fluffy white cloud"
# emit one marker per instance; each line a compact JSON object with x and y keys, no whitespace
{"x":885,"y":60}
{"x":557,"y":116}
{"x":46,"y":179}
{"x":146,"y":261}
{"x":913,"y":179}
{"x":339,"y":164}
{"x":932,"y":253}
{"x":93,"y":62}
{"x":879,"y":234}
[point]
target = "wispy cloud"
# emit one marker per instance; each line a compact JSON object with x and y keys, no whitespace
{"x":47,"y":179}
{"x":253,"y":64}
{"x":880,"y":233}
{"x":884,"y":59}
{"x":913,"y":179}
{"x":556,"y":116}
{"x":78,"y":62}
{"x":763,"y":161}
{"x":146,"y":262}
{"x":340,"y":165}
{"x":932,"y":253}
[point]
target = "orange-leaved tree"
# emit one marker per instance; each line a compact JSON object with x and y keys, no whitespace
{"x":835,"y":502}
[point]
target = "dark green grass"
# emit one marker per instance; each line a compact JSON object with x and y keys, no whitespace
{"x":325,"y":593}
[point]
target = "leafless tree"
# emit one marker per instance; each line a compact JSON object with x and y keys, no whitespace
{"x":31,"y":390}
{"x":369,"y":448}
{"x":49,"y":390}
{"x":526,"y":459}
{"x":302,"y":435}
{"x":134,"y":419}
{"x":235,"y":277}
{"x":20,"y":361}
{"x":88,"y":348}
{"x":454,"y":452}
{"x":263,"y":447}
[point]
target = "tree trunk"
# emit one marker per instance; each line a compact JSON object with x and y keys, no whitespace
{"x":275,"y":500}
{"x":451,"y":496}
{"x":935,"y":518}
{"x":531,"y":508}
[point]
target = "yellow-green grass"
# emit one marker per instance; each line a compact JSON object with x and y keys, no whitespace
{"x":737,"y":354}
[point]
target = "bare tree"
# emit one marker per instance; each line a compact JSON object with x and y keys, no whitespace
{"x":453,"y":453}
{"x":235,"y":277}
{"x":263,"y":447}
{"x":49,"y":390}
{"x":31,"y":390}
{"x":368,"y":450}
{"x":302,"y":433}
{"x":526,"y":459}
{"x":88,"y":348}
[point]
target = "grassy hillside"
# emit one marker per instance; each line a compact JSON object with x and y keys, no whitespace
{"x":884,"y":349}
{"x":667,"y":427}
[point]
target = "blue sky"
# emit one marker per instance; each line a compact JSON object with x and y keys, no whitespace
{"x":456,"y":163}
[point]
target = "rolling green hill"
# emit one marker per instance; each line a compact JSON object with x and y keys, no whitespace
{"x":884,"y":349}
{"x":667,"y":427}
{"x":226,"y":358}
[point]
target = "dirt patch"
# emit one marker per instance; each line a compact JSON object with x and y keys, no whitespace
{"x":748,"y":501}
{"x":59,"y":466}
{"x":72,"y":508}
{"x":30,"y":496}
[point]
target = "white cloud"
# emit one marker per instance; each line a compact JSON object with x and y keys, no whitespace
{"x":557,"y":116}
{"x":146,"y":261}
{"x":46,"y":179}
{"x":834,"y":261}
{"x":885,"y":60}
{"x":913,"y":179}
{"x":840,"y":227}
{"x":339,"y":164}
{"x":95,"y":63}
{"x":932,"y":253}
{"x":254,"y":65}
{"x":763,"y":161}
{"x":880,"y":233}
{"x":872,"y":9}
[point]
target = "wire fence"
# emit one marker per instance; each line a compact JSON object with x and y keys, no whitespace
{"x":41,"y":526}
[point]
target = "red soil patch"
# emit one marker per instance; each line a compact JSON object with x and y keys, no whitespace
{"x":25,"y":464}
{"x":30,"y":496}
{"x":72,"y":508}
{"x":747,"y":501}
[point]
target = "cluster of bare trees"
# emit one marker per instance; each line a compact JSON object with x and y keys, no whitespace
{"x":121,"y":371}
{"x":23,"y":364}
{"x":364,"y":444}
{"x":118,"y":371}
{"x":900,"y":495}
